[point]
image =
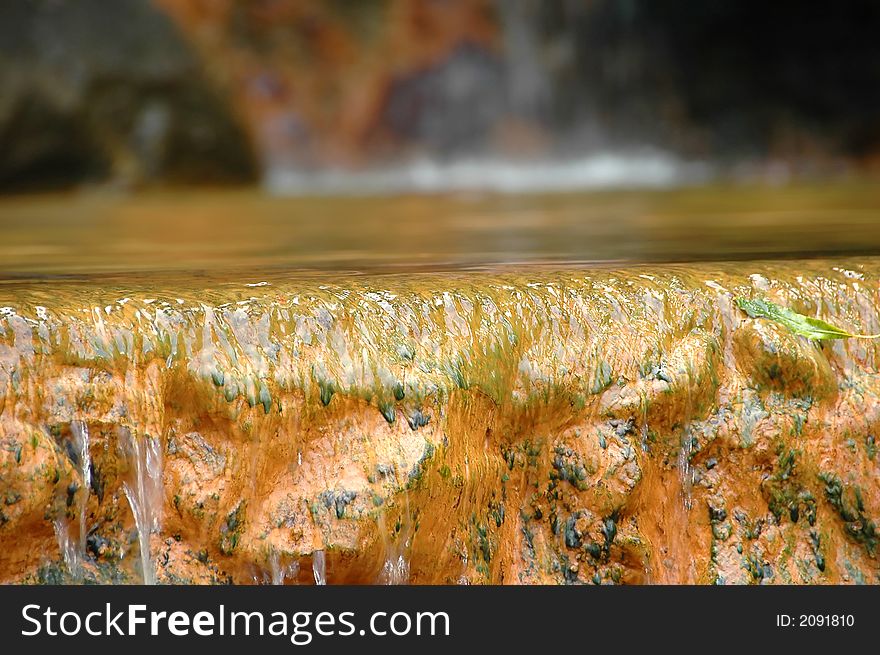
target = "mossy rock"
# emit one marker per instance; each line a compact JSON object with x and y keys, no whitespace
{"x":774,"y":358}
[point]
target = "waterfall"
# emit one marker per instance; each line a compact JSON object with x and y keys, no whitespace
{"x":281,"y":572}
{"x":395,"y":570}
{"x":73,"y":548}
{"x":80,"y":433}
{"x":319,"y":567}
{"x":529,"y":87}
{"x":685,"y":470}
{"x":144,"y":492}
{"x":68,"y":547}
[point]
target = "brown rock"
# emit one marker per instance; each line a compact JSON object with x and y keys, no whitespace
{"x":533,"y":427}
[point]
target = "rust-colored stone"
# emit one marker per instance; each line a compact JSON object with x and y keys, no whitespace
{"x":523,"y":427}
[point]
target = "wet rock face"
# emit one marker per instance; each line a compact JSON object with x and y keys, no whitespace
{"x":93,"y":92}
{"x":532,"y":427}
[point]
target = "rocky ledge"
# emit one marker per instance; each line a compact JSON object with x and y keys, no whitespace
{"x":529,"y":426}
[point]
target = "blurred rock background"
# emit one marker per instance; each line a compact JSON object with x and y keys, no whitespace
{"x":139,"y":92}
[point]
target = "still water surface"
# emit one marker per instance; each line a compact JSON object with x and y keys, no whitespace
{"x":222,"y":233}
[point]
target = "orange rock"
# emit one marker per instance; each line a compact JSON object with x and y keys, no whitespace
{"x":531,"y":427}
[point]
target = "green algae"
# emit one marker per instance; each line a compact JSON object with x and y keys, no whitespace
{"x":388,"y":411}
{"x":232,"y":528}
{"x":327,"y":389}
{"x":787,"y":497}
{"x":265,"y":398}
{"x":851,"y":510}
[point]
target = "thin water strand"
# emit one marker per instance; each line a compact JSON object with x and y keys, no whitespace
{"x":144,"y":493}
{"x":68,"y":547}
{"x":395,"y":570}
{"x":279,"y":571}
{"x":80,"y":432}
{"x":319,"y":567}
{"x":685,"y":470}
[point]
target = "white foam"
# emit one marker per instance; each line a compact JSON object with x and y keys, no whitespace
{"x":644,"y":169}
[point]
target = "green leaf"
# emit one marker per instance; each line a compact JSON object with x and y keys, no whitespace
{"x":812,"y":328}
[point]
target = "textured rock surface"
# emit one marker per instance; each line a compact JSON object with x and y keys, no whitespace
{"x":512,"y":427}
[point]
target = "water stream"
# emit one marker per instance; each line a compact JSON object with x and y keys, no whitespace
{"x":68,"y":547}
{"x":290,"y":332}
{"x":279,"y":571}
{"x":72,"y":538}
{"x":319,"y":567}
{"x":144,"y":492}
{"x":80,"y":433}
{"x":395,"y":570}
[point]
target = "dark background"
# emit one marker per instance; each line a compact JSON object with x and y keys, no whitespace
{"x":198,"y":92}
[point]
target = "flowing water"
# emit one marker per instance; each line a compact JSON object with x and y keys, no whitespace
{"x":81,"y":439}
{"x":279,"y":571}
{"x":85,"y":234}
{"x":395,"y":568}
{"x":320,"y":295}
{"x":71,"y":537}
{"x":68,"y":547}
{"x":319,"y":567}
{"x":144,"y":492}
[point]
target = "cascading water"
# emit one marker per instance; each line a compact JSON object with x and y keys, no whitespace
{"x":685,"y":470}
{"x":319,"y":567}
{"x":73,"y":548}
{"x":144,"y":492}
{"x":280,"y":572}
{"x":80,"y":433}
{"x":395,"y":570}
{"x":461,"y":465}
{"x":686,"y":450}
{"x":68,"y":547}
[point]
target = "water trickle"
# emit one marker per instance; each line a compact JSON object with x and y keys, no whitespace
{"x":280,"y":571}
{"x":144,"y":492}
{"x":395,"y":570}
{"x":319,"y":567}
{"x":463,"y":578}
{"x":68,"y":547}
{"x":685,"y":470}
{"x":644,"y":430}
{"x":80,"y":432}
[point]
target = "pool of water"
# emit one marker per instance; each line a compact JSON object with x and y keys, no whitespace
{"x":220,"y":233}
